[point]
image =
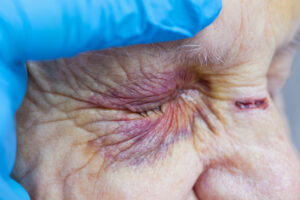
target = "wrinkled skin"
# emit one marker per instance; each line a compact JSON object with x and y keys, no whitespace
{"x":194,"y":119}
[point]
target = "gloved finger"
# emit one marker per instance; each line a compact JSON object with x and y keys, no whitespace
{"x":11,"y":190}
{"x":7,"y":138}
{"x":35,"y":29}
{"x":13,"y":80}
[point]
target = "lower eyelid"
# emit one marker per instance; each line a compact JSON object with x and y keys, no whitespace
{"x":134,"y":140}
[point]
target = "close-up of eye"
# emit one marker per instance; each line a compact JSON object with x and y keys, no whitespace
{"x":149,"y":100}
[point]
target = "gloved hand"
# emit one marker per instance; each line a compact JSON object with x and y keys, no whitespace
{"x":36,"y":30}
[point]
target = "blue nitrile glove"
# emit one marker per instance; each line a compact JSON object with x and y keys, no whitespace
{"x":47,"y":29}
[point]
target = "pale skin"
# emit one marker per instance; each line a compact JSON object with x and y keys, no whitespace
{"x":194,"y":119}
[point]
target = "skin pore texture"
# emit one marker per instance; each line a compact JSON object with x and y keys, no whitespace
{"x":199,"y":118}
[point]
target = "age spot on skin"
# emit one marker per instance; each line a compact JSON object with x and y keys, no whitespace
{"x":252,"y":104}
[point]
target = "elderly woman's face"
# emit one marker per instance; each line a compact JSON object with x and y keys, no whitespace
{"x":192,"y":119}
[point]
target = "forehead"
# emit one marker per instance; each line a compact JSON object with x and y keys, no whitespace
{"x":284,"y":18}
{"x":247,"y":28}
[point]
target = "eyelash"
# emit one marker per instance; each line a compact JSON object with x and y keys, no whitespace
{"x":155,"y":110}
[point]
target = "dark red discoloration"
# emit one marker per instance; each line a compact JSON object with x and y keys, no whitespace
{"x":143,"y":92}
{"x":252,"y":104}
{"x":135,"y":141}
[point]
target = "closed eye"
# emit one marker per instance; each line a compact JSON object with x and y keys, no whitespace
{"x":147,"y":113}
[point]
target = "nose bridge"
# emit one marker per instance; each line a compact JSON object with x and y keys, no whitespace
{"x":274,"y":169}
{"x":264,"y":150}
{"x":254,"y":172}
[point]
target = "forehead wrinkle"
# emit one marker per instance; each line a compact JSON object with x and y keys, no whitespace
{"x":252,"y":27}
{"x":236,"y":34}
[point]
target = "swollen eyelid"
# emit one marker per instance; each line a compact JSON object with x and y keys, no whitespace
{"x":142,"y":94}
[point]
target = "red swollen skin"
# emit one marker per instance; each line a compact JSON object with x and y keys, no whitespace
{"x":252,"y":104}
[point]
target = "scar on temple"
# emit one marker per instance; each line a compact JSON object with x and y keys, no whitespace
{"x":252,"y":104}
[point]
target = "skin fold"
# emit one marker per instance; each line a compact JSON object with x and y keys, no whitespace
{"x":199,"y":118}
